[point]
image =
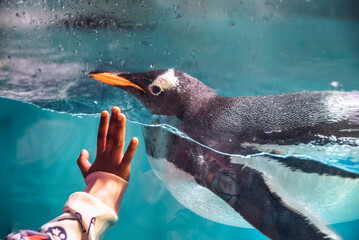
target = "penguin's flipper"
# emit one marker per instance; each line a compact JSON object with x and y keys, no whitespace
{"x":252,"y":197}
{"x":330,"y":159}
{"x":313,"y":166}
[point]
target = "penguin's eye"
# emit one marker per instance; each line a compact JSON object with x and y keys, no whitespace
{"x":155,"y":90}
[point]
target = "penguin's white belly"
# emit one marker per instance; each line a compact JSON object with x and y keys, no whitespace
{"x":331,"y":199}
{"x":322,"y":198}
{"x":196,"y":198}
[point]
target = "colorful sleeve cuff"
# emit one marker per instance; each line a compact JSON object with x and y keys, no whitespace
{"x":84,"y":217}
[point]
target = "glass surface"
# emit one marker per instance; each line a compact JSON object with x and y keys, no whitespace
{"x":237,"y":48}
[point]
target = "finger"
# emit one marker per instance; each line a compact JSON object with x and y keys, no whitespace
{"x":83,"y":162}
{"x":119,"y":140}
{"x":127,"y":158}
{"x":102,"y":132}
{"x":116,"y":132}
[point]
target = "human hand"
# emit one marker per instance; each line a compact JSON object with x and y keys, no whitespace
{"x":110,"y":146}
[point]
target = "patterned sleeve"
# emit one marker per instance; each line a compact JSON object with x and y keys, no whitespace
{"x":84,"y":216}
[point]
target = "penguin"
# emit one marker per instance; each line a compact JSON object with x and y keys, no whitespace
{"x":241,"y":162}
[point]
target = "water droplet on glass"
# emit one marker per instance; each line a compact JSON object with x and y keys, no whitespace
{"x":231,"y":23}
{"x":110,"y":62}
{"x":17,"y":15}
{"x":39,"y":69}
{"x":334,"y":84}
{"x":122,"y":62}
{"x":61,"y":48}
{"x":75,"y":52}
{"x":152,"y":66}
{"x":145,"y":43}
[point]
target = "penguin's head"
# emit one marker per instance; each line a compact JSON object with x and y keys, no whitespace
{"x":164,"y":92}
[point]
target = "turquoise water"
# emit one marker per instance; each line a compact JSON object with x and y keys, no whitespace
{"x":39,"y":171}
{"x":40,"y":149}
{"x":240,"y":48}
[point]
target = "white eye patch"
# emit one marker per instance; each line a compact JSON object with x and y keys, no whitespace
{"x":164,"y":82}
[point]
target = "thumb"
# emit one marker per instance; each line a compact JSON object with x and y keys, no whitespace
{"x":83,"y":162}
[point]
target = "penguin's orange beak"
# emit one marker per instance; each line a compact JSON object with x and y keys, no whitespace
{"x":114,"y":79}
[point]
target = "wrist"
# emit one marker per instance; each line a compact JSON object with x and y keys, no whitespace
{"x":106,"y":187}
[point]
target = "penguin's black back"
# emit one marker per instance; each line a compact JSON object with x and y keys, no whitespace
{"x":281,"y":119}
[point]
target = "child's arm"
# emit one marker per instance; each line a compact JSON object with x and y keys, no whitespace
{"x":87,"y":215}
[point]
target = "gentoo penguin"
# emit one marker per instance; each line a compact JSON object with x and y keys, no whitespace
{"x":246,"y":160}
